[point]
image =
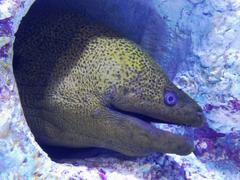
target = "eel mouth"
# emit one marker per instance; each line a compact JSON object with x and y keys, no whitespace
{"x":155,"y":124}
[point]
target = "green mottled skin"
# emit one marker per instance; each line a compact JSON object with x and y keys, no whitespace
{"x":70,"y":73}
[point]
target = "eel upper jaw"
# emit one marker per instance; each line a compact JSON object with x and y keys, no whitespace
{"x":149,"y":120}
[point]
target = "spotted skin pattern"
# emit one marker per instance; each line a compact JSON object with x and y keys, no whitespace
{"x":78,"y":81}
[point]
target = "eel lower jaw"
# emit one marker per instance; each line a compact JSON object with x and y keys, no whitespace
{"x":177,"y":134}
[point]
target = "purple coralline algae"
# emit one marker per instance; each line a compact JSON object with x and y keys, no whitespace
{"x":209,"y":72}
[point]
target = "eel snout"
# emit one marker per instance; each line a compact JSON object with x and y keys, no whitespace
{"x":184,"y":111}
{"x":149,"y":96}
{"x":136,"y":116}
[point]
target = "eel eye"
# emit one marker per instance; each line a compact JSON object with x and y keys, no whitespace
{"x":170,"y":98}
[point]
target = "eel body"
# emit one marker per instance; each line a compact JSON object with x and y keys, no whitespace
{"x":83,"y":85}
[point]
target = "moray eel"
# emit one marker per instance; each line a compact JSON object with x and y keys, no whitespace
{"x":83,"y":85}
